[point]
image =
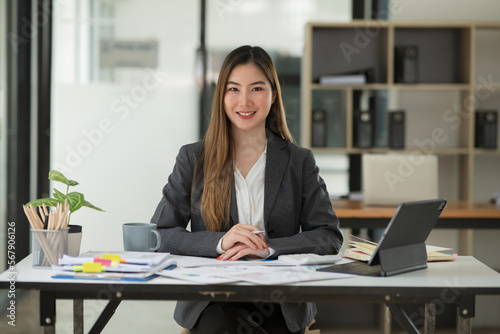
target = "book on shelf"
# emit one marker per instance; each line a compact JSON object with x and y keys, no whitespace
{"x":362,"y":250}
{"x":360,"y":77}
{"x":352,"y":79}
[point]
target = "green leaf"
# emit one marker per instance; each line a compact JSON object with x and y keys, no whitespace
{"x":88,"y":205}
{"x":59,"y":177}
{"x":59,"y":196}
{"x":73,"y":183}
{"x":75,"y":201}
{"x":42,"y":201}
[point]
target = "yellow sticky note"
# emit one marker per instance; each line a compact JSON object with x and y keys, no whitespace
{"x":92,"y":267}
{"x":112,"y":257}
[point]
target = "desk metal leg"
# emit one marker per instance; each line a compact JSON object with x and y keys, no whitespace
{"x":385,"y":319}
{"x":430,"y":318}
{"x":464,"y":325}
{"x":403,"y":319}
{"x":49,"y":330}
{"x":78,"y":316}
{"x":466,"y":311}
{"x":48,"y":312}
{"x":106,"y":314}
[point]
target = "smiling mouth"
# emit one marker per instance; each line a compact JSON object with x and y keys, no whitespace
{"x":249,"y":113}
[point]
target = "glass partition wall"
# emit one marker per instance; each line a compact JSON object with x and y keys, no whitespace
{"x":124,"y":100}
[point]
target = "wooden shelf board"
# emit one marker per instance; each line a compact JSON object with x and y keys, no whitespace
{"x":345,"y":208}
{"x":442,"y":151}
{"x":385,"y":86}
{"x":350,"y":24}
{"x":431,"y":25}
{"x":479,"y":151}
{"x":408,"y":150}
{"x":444,"y":86}
{"x":317,"y":86}
{"x":481,"y":86}
{"x":337,"y":150}
{"x":487,"y":25}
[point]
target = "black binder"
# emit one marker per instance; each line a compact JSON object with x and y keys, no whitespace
{"x":486,"y":129}
{"x":363,"y":129}
{"x":318,"y":128}
{"x":397,"y":129}
{"x":406,"y":64}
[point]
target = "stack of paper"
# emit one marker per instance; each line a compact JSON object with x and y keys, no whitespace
{"x":309,"y":259}
{"x":212,"y":271}
{"x":113,"y":265}
{"x":362,"y":250}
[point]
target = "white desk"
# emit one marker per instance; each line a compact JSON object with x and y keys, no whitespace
{"x":455,"y":282}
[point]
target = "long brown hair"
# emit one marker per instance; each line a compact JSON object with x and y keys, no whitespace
{"x":217,"y":160}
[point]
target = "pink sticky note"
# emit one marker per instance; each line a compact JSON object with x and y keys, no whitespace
{"x":104,"y":262}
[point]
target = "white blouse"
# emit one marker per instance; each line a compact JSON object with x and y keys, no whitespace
{"x":250,"y":193}
{"x":250,"y":196}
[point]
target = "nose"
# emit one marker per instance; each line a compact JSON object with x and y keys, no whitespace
{"x":245,"y":98}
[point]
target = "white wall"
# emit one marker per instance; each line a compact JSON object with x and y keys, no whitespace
{"x":276,"y":25}
{"x":119,"y":139}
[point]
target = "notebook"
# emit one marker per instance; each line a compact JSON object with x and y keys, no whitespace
{"x":402,"y":246}
{"x":390,"y":179}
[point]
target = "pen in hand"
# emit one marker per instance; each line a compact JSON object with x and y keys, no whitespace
{"x":257,"y":232}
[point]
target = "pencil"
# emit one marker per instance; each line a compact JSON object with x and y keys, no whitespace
{"x":35,"y":223}
{"x":43,"y":216}
{"x":45,"y":209}
{"x":61,"y":217}
{"x":33,"y":219}
{"x":36,"y":217}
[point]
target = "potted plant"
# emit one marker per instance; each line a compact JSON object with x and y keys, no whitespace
{"x":75,"y":200}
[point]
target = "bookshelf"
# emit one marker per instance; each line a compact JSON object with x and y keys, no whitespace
{"x":457,"y":74}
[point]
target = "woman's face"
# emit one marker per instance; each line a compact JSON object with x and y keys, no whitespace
{"x":248,"y":97}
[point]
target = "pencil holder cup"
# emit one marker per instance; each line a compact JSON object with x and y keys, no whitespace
{"x":48,"y":246}
{"x":74,"y":239}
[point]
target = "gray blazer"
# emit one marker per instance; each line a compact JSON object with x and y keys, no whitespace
{"x":298,"y":217}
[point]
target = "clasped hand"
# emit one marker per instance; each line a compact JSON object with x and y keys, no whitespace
{"x":240,"y":241}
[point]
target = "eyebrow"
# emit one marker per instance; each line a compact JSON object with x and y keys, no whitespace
{"x":252,"y":84}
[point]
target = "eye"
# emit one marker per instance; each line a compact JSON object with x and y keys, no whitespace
{"x":232,"y":89}
{"x":258,"y":89}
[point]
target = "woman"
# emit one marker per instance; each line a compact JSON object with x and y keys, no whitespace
{"x":246,"y":176}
